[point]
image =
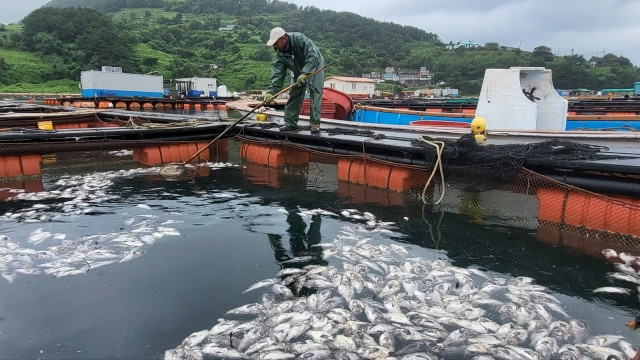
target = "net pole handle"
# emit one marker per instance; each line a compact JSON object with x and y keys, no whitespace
{"x":249,"y":113}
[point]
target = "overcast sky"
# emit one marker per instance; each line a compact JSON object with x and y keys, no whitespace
{"x":584,"y":27}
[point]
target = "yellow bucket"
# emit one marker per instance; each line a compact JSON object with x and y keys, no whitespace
{"x":45,"y":125}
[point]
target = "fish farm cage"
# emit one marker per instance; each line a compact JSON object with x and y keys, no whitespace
{"x":490,"y":187}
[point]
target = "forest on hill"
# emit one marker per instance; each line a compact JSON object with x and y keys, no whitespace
{"x":49,"y":48}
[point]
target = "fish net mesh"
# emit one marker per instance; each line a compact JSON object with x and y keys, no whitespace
{"x":488,"y":184}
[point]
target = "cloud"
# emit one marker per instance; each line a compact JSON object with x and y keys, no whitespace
{"x":587,"y":27}
{"x":18,"y":10}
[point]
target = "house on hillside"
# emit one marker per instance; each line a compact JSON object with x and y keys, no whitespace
{"x":355,"y":87}
{"x":228,"y":27}
{"x":465,"y":44}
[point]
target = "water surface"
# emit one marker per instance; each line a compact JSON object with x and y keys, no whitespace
{"x":206,"y":239}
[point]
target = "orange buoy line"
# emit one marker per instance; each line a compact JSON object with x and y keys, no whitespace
{"x":615,"y":214}
{"x":379,"y":175}
{"x":355,"y":171}
{"x":19,"y":166}
{"x":171,"y":153}
{"x":273,"y":156}
{"x":137,"y":103}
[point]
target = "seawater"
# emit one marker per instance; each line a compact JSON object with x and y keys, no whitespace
{"x":233,"y":232}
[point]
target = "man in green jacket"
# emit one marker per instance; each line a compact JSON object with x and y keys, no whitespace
{"x":297,"y":53}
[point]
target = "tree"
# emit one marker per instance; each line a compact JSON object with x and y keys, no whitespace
{"x":492,"y":46}
{"x":543,"y":53}
{"x":70,"y":33}
{"x":5,"y":68}
{"x":250,"y":81}
{"x":264,"y":53}
{"x":349,"y":65}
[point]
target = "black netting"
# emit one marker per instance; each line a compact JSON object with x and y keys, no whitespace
{"x":476,"y":167}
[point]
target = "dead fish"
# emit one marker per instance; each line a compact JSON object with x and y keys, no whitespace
{"x":602,"y":352}
{"x":214,"y":350}
{"x":391,"y":287}
{"x":130,"y":255}
{"x":316,"y":355}
{"x":259,"y":284}
{"x":579,"y":329}
{"x":569,"y":352}
{"x":625,"y":277}
{"x":604,"y":340}
{"x":546,"y":347}
{"x":356,"y":306}
{"x":275,"y":355}
{"x":290,"y":271}
{"x":248,"y":309}
{"x":8,"y":275}
{"x":342,"y":342}
{"x":628,"y":348}
{"x":612,"y":290}
{"x":195,"y":338}
{"x":299,"y":259}
{"x":319,"y":337}
{"x":609,"y":253}
{"x":252,"y":336}
{"x":282,"y":292}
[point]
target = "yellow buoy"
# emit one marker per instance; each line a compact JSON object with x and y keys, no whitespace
{"x":478,"y":125}
{"x":45,"y":125}
{"x":478,"y":129}
{"x":261,"y":117}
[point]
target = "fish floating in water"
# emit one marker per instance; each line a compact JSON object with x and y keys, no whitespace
{"x":612,"y":290}
{"x":380,"y":302}
{"x":58,"y":255}
{"x":627,"y":271}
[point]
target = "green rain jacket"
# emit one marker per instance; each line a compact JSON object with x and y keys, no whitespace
{"x":305,"y":58}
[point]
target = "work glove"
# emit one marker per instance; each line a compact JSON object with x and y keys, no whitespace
{"x":268,"y":99}
{"x":301,"y":79}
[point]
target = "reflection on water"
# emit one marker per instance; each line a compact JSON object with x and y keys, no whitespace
{"x":175,"y":256}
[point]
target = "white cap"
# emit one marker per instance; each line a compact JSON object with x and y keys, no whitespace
{"x":276,"y":33}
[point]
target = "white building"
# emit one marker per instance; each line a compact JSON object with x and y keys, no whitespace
{"x":356,"y":87}
{"x":196,"y":86}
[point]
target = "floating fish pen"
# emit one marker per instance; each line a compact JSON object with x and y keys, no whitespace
{"x":493,"y":184}
{"x":373,"y":300}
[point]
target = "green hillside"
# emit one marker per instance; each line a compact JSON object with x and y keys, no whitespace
{"x":182,"y":38}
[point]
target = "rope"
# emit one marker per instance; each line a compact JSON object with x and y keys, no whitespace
{"x":439,"y":145}
{"x":131,"y":123}
{"x":168,"y":125}
{"x":436,"y":239}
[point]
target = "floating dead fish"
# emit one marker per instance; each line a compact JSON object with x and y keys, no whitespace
{"x":377,"y":302}
{"x":612,"y":290}
{"x":299,"y":259}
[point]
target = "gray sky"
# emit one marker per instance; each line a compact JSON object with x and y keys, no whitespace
{"x":584,"y":27}
{"x":14,"y":10}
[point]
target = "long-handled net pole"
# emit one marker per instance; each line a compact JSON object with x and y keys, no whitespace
{"x":174,"y":166}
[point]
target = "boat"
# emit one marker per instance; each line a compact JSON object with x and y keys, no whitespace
{"x":519,"y":98}
{"x":403,"y":116}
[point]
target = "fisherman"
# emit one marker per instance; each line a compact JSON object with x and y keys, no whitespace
{"x":296,"y":52}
